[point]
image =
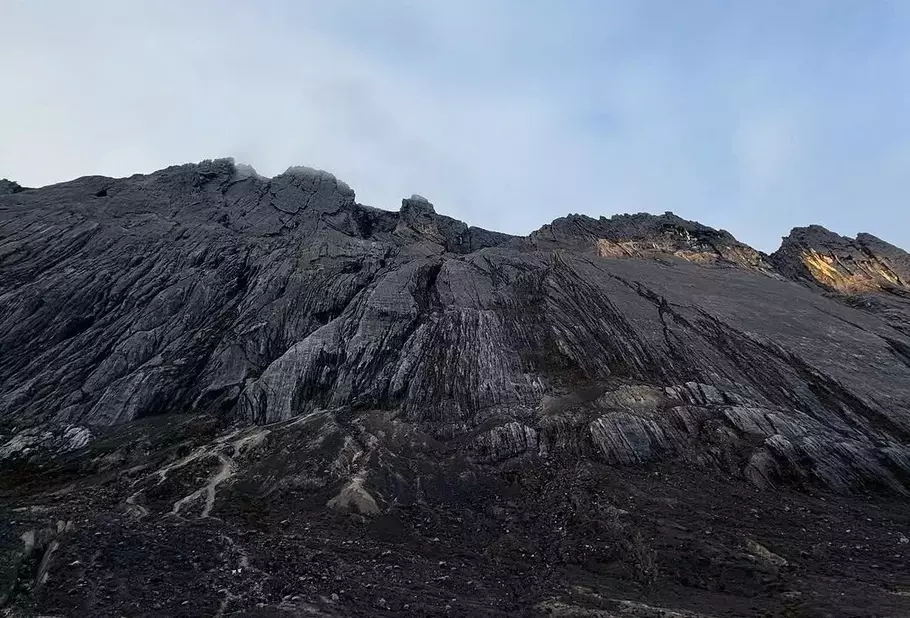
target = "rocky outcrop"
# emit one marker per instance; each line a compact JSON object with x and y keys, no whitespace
{"x":846,"y":265}
{"x":203,"y":339}
{"x":8,"y":187}
{"x":648,"y":236}
{"x":864,"y":273}
{"x":209,"y":289}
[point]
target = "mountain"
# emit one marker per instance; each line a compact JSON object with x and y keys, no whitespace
{"x":224,"y":394}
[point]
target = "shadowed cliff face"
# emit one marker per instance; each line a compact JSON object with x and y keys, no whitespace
{"x":203,"y":339}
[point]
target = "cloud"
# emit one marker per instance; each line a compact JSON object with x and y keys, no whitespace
{"x":505,"y":113}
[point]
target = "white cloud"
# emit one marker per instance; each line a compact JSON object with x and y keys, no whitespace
{"x":505,"y":113}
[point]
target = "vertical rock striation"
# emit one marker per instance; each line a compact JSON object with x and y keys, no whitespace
{"x":209,"y":289}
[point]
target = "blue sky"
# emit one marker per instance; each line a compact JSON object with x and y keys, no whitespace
{"x":754,"y":116}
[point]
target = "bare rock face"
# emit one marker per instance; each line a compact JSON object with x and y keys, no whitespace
{"x":8,"y":186}
{"x":648,"y":236}
{"x":865,"y":273}
{"x":214,"y":351}
{"x":846,"y":265}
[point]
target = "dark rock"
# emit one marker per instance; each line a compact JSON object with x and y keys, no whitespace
{"x":197,"y":359}
{"x":645,"y":235}
{"x":865,"y":273}
{"x":846,"y":265}
{"x":8,"y":187}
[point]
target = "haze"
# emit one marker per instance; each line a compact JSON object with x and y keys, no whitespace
{"x":750,"y":116}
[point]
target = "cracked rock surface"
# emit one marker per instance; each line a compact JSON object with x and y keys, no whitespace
{"x":223,"y":394}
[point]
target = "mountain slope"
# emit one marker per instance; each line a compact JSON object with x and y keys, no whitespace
{"x":216,"y":352}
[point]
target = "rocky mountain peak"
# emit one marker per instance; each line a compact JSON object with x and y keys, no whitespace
{"x":223,"y":394}
{"x":847,"y":265}
{"x":415,"y":207}
{"x":645,"y":235}
{"x":8,"y":187}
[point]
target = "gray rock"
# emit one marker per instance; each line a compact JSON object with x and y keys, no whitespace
{"x":208,"y":289}
{"x":241,"y":389}
{"x":8,"y":186}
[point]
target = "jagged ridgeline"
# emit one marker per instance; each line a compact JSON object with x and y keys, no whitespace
{"x":209,"y":289}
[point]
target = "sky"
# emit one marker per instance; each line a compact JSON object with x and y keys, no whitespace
{"x":752,"y":116}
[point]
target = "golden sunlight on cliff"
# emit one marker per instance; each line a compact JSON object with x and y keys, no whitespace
{"x":864,"y":276}
{"x":741,"y":256}
{"x":633,"y":249}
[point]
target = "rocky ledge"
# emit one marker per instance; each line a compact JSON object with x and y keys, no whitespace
{"x":257,"y":395}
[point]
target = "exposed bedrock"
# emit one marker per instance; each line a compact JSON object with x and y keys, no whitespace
{"x":208,"y":289}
